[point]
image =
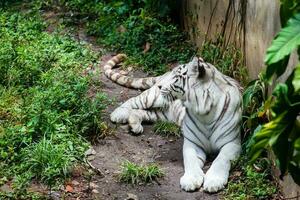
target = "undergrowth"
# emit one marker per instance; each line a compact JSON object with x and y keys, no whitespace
{"x":135,"y":174}
{"x":166,"y":129}
{"x":250,"y":181}
{"x":227,"y":58}
{"x":142,"y":29}
{"x":45,"y":112}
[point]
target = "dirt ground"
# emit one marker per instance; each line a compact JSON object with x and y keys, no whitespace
{"x":113,"y":150}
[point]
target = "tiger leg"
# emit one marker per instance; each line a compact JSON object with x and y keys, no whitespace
{"x":136,"y":118}
{"x":217,"y":176}
{"x":194,"y":158}
{"x":120,"y":115}
{"x":175,"y":113}
{"x":148,"y":99}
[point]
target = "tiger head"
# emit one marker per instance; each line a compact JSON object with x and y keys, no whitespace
{"x":183,"y":77}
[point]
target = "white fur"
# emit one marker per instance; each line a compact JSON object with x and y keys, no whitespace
{"x":209,"y":112}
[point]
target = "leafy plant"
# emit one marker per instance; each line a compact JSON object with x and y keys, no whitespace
{"x":134,"y":174}
{"x":45,"y":111}
{"x":23,"y":196}
{"x":48,"y":161}
{"x":228,"y":59}
{"x":255,"y":112}
{"x":141,"y":29}
{"x":282,"y":109}
{"x":249,"y":182}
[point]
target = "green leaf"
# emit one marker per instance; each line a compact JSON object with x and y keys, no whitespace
{"x":249,"y":92}
{"x":280,"y":90}
{"x":296,"y":79}
{"x":276,"y":68}
{"x":297,"y":144}
{"x":281,"y":148}
{"x":274,"y":127}
{"x":287,"y":9}
{"x":257,"y":149}
{"x":282,"y":102}
{"x":262,"y":138}
{"x":285,"y":42}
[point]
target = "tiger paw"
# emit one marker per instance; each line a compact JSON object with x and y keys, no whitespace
{"x":120,"y":115}
{"x":213,"y":183}
{"x":136,"y":128}
{"x":190,"y":183}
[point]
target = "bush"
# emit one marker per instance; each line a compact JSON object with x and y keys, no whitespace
{"x":136,"y":28}
{"x":280,"y":127}
{"x":227,"y":58}
{"x":45,"y":112}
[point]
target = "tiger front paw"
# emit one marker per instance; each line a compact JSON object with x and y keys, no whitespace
{"x":120,"y":115}
{"x":190,"y":183}
{"x":136,"y":128}
{"x":214,"y":183}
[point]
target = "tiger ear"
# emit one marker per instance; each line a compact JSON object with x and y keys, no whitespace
{"x":194,"y":59}
{"x":201,"y":68}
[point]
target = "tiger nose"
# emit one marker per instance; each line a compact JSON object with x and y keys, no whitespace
{"x":159,"y":86}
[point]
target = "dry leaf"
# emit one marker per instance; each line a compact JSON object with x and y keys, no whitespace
{"x":147,"y":47}
{"x":131,"y":197}
{"x":93,"y":185}
{"x":121,"y":29}
{"x":95,"y":191}
{"x":69,"y":189}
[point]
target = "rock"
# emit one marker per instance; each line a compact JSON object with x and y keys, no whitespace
{"x":75,"y":183}
{"x":91,"y":157}
{"x":131,"y":196}
{"x":125,"y":128}
{"x":123,"y":72}
{"x":90,"y":151}
{"x":54,"y":195}
{"x":95,"y":191}
{"x":93,"y":185}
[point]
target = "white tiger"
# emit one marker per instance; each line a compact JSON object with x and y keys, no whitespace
{"x":150,"y":105}
{"x":210,"y":116}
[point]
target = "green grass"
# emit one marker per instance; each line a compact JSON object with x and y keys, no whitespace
{"x":128,"y":27}
{"x":46,"y":115}
{"x":134,"y":174}
{"x":249,"y":182}
{"x":166,"y":129}
{"x":228,"y":59}
{"x":24,"y":196}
